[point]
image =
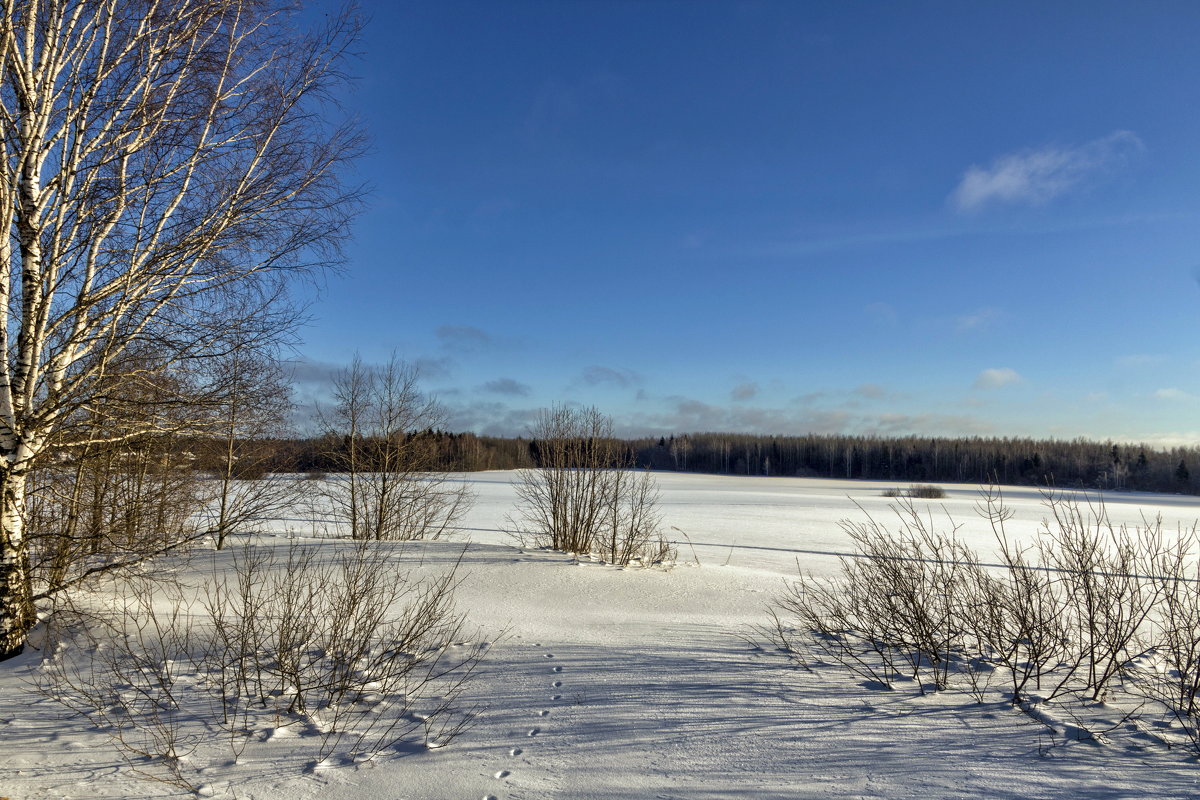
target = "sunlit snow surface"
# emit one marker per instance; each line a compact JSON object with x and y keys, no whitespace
{"x":640,"y":683}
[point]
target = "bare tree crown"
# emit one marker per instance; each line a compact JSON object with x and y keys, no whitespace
{"x":165,"y":167}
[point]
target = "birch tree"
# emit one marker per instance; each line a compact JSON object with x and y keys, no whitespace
{"x":165,"y":167}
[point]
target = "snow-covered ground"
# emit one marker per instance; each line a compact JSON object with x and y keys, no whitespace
{"x":640,"y":683}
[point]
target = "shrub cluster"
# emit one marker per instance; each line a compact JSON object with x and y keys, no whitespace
{"x":353,"y":655}
{"x":919,"y":491}
{"x":1086,"y":611}
{"x":585,"y":497}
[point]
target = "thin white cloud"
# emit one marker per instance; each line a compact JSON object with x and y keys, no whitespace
{"x":996,"y":378}
{"x":1163,"y":440}
{"x":881,"y":313}
{"x":1173,"y":393}
{"x":689,"y":415}
{"x":1034,"y":177}
{"x":1140,"y":360}
{"x":976,"y":320}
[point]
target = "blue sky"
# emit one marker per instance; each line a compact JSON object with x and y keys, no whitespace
{"x":782,"y":217}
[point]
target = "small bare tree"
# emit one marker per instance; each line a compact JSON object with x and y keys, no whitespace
{"x":123,"y":493}
{"x":392,"y":487}
{"x":252,"y":406}
{"x":584,"y":495}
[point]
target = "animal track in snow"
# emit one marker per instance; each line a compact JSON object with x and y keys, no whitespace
{"x":556,"y":697}
{"x":516,"y":751}
{"x":543,"y":713}
{"x":556,"y":684}
{"x":556,"y":669}
{"x":502,"y":774}
{"x":534,"y":731}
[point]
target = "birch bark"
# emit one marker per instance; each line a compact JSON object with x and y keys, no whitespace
{"x":165,"y":167}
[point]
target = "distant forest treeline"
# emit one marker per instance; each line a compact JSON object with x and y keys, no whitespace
{"x":1069,"y":464}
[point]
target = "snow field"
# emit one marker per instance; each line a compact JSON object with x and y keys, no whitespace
{"x":650,"y":683}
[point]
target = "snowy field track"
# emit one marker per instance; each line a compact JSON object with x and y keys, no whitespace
{"x":652,"y":683}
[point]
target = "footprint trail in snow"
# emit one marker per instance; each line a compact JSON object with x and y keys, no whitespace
{"x":534,"y":731}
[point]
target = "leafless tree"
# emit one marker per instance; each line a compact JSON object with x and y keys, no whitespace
{"x":254,"y":405}
{"x":390,"y":487}
{"x":584,"y":495}
{"x":124,"y":492}
{"x":164,"y":168}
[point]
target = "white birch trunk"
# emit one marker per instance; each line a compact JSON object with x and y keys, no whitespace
{"x":17,"y":615}
{"x":161,"y":163}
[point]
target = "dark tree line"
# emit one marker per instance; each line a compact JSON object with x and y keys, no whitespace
{"x":1012,"y":461}
{"x":451,"y":452}
{"x":1042,"y":462}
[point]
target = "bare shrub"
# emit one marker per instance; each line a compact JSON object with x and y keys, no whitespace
{"x":918,"y":491}
{"x":109,"y":507}
{"x":1087,"y":611}
{"x":352,"y":653}
{"x":392,"y":490}
{"x":1017,"y":617}
{"x":584,"y":495}
{"x":1169,"y":669}
{"x":895,"y":609}
{"x":1103,"y":571}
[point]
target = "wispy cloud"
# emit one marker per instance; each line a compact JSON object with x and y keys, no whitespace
{"x":598,"y":376}
{"x":1036,"y":176}
{"x":491,"y":419}
{"x":996,"y":378}
{"x":463,"y":338}
{"x":308,"y":374}
{"x":690,"y":415}
{"x":1173,"y":393}
{"x":507,"y":386}
{"x":677,"y":414}
{"x":1138,"y":360}
{"x":976,"y":320}
{"x":871,"y":391}
{"x":434,"y":368}
{"x":744,"y":391}
{"x":1161,"y":440}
